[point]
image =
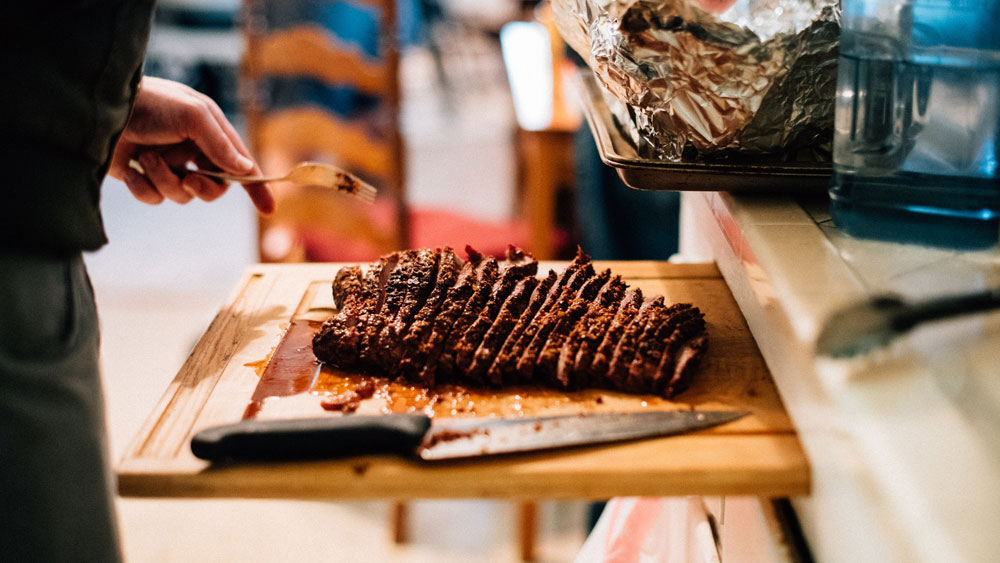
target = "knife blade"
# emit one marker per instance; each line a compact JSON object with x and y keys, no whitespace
{"x":417,"y":435}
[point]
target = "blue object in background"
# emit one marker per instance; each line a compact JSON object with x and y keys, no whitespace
{"x":352,"y":23}
{"x":917,"y":122}
{"x":616,"y":221}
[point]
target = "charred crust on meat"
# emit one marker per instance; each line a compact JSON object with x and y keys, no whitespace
{"x":499,"y":328}
{"x":540,"y":326}
{"x":338,"y":342}
{"x":629,"y":308}
{"x":578,"y":351}
{"x":419,"y":283}
{"x":488,"y":278}
{"x":347,"y":285}
{"x":518,"y":268}
{"x":629,"y":341}
{"x":427,"y":316}
{"x":450,"y":268}
{"x":451,"y":310}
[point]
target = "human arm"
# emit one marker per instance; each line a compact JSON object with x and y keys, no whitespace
{"x":173,"y":125}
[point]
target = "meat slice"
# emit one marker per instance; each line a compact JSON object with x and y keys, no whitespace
{"x":418,"y":288}
{"x":338,"y":341}
{"x":598,"y":373}
{"x":629,"y":341}
{"x":546,"y":320}
{"x":681,"y":354}
{"x":578,"y":350}
{"x":685,"y":361}
{"x":527,"y":326}
{"x":514,"y":270}
{"x":395,"y":292}
{"x":451,"y":309}
{"x":563,"y":324}
{"x":488,"y":277}
{"x":652,"y":343}
{"x":454,"y":280}
{"x":450,"y":267}
{"x":495,"y":357}
{"x":500,"y":325}
{"x":347,"y":286}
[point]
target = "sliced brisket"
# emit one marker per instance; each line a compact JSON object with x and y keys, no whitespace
{"x":547,"y":361}
{"x":660,"y":326}
{"x":347,"y":286}
{"x":451,"y":310}
{"x":537,"y":329}
{"x":341,"y":345}
{"x":681,"y":353}
{"x":578,"y":351}
{"x":488,"y":277}
{"x":499,"y":327}
{"x":418,"y":287}
{"x":452,"y":273}
{"x":629,"y":341}
{"x":504,"y":336}
{"x":425,"y":315}
{"x":598,"y":374}
{"x":517,"y":268}
{"x":395,"y":292}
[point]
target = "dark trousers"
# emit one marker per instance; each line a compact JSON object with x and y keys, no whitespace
{"x":56,"y":488}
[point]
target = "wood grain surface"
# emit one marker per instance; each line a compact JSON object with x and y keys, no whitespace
{"x":757,"y":455}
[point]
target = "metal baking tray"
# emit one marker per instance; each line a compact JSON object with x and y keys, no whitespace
{"x":618,"y":151}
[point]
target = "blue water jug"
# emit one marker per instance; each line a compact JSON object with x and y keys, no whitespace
{"x":917,"y":125}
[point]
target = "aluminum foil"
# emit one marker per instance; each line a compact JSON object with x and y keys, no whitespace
{"x":756,"y":79}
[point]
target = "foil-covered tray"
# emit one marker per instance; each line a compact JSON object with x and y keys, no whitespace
{"x":643,"y":173}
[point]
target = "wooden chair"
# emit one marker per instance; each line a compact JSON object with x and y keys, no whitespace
{"x":546,"y":125}
{"x":371,"y":146}
{"x":303,"y":50}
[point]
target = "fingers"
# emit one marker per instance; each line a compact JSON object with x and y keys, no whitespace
{"x":162,"y":178}
{"x":261,"y":197}
{"x":260,"y":193}
{"x":170,"y":117}
{"x":202,"y":187}
{"x":221,"y":144}
{"x":140,"y":187}
{"x":227,"y":127}
{"x":204,"y":129}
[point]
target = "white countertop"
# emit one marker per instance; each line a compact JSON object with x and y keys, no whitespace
{"x":904,"y":441}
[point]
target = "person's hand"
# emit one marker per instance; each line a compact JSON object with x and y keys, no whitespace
{"x":171,"y":127}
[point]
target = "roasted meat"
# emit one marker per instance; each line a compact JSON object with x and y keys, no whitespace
{"x":429,"y":317}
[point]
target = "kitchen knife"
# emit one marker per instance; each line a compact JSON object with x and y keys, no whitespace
{"x":435,"y":439}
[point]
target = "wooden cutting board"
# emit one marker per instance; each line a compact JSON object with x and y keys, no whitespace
{"x":221,"y":383}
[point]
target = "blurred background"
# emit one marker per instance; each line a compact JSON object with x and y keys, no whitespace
{"x":462,"y":113}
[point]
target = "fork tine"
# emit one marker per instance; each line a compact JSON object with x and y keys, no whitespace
{"x":366,"y":192}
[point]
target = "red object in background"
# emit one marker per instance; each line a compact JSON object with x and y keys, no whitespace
{"x":429,"y":228}
{"x":715,"y":6}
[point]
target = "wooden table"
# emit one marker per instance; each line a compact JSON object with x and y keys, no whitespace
{"x":757,"y":455}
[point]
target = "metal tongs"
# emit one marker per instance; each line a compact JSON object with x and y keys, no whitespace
{"x":865,"y":326}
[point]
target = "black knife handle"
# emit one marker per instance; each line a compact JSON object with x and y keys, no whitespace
{"x":312,"y":438}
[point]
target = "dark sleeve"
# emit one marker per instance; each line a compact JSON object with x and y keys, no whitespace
{"x":69,"y":72}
